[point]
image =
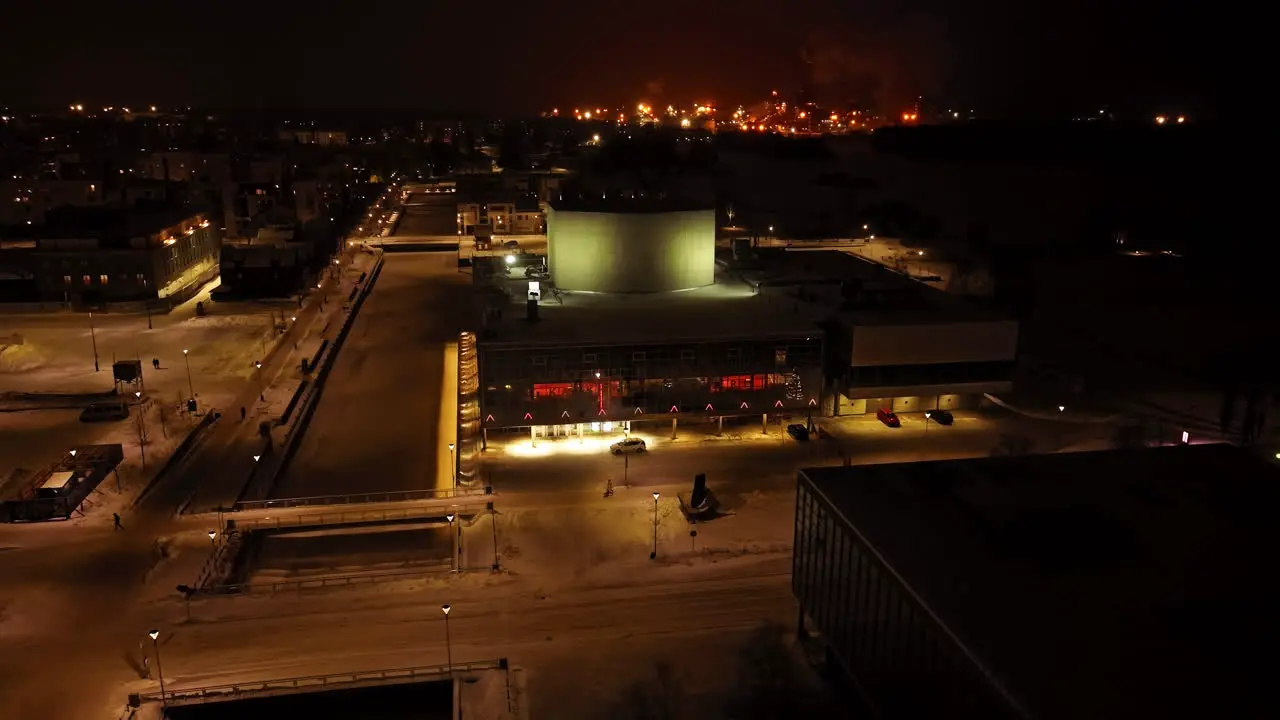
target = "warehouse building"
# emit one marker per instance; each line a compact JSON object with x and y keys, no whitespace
{"x":636,"y":320}
{"x":1119,"y":584}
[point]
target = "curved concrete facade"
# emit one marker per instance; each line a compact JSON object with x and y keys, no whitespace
{"x":631,"y":252}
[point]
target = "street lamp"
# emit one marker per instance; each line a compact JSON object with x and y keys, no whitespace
{"x":654,"y":553}
{"x":155,"y":635}
{"x":448,"y":643}
{"x":213,"y":537}
{"x":453,"y":553}
{"x":927,"y":416}
{"x":142,"y":430}
{"x":73,"y":453}
{"x":262,"y":394}
{"x":93,"y":337}
{"x":1061,"y":408}
{"x":186,"y":358}
{"x":453,"y":468}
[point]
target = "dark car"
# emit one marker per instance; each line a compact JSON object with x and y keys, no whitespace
{"x":799,"y":432}
{"x":104,"y":411}
{"x":888,"y":417}
{"x":942,"y":417}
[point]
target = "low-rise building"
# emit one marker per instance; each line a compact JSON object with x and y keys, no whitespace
{"x":92,"y":257}
{"x":28,"y":201}
{"x":1113,"y":584}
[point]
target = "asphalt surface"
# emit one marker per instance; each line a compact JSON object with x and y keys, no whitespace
{"x":377,"y":425}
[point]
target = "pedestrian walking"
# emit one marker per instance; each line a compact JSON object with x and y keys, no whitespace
{"x":242,"y":412}
{"x":115,"y":519}
{"x":608,"y":488}
{"x":155,"y":363}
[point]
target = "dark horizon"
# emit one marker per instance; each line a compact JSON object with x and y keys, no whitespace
{"x":1004,"y":61}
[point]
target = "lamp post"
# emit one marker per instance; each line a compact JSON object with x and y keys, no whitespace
{"x":448,"y":642}
{"x":190,"y":385}
{"x":213,"y":537}
{"x":453,"y":553}
{"x":93,"y":338}
{"x":142,"y":430}
{"x":927,"y":416}
{"x":261,"y":392}
{"x":654,"y":553}
{"x":453,"y":468}
{"x":155,"y":646}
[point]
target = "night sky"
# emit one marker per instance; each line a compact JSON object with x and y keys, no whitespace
{"x":1001,"y":56}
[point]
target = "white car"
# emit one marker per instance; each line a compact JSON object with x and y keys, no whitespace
{"x":630,"y":445}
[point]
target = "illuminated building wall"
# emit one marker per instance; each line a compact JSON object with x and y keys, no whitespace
{"x":529,"y":385}
{"x":613,"y":252}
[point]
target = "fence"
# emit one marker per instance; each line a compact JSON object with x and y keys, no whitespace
{"x":360,"y":498}
{"x":317,"y":682}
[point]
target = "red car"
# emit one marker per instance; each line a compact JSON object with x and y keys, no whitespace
{"x":888,"y":417}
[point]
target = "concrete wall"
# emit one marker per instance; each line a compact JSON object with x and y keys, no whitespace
{"x":878,"y":345}
{"x":631,"y":252}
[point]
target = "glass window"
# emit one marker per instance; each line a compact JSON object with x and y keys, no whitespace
{"x":66,"y":279}
{"x":103,"y":279}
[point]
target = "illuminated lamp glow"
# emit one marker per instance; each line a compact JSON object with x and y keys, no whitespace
{"x":488,"y":418}
{"x":743,"y":406}
{"x":777,"y":404}
{"x":528,"y":416}
{"x":638,"y":411}
{"x":564,"y":414}
{"x":674,"y":409}
{"x":601,"y":412}
{"x":812,"y":402}
{"x":708,"y":407}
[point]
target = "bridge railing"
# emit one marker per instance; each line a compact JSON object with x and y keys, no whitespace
{"x":187,"y":696}
{"x":355,"y":517}
{"x":361,"y":498}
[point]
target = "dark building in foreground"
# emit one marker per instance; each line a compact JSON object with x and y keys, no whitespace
{"x":1121,"y":584}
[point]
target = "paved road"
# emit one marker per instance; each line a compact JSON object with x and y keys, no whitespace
{"x":377,"y":427}
{"x":754,"y":463}
{"x":646,"y":609}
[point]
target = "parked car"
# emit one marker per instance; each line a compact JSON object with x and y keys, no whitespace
{"x":798,"y":431}
{"x":888,"y":417}
{"x":630,"y":445}
{"x":942,"y":417}
{"x":104,"y":411}
{"x":511,"y":245}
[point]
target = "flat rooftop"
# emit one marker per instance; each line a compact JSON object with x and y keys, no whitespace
{"x":1117,"y":584}
{"x":879,"y":296}
{"x":728,"y":309}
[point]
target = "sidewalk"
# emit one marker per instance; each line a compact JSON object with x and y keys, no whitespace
{"x":216,"y":472}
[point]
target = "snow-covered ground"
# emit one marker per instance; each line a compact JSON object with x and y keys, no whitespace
{"x":57,"y":357}
{"x":378,"y":425}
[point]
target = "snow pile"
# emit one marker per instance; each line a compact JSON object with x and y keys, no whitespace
{"x":20,"y":358}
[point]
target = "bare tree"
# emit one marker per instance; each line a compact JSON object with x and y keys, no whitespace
{"x":660,"y":697}
{"x":769,"y":684}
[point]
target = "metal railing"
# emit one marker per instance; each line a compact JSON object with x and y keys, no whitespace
{"x":325,"y":581}
{"x":360,"y":498}
{"x":314,"y":682}
{"x":359,"y":516}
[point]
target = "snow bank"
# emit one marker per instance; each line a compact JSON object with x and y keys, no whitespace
{"x":20,"y":358}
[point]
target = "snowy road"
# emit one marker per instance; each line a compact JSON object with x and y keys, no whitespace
{"x":754,"y":462}
{"x":377,"y":427}
{"x":648,"y":610}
